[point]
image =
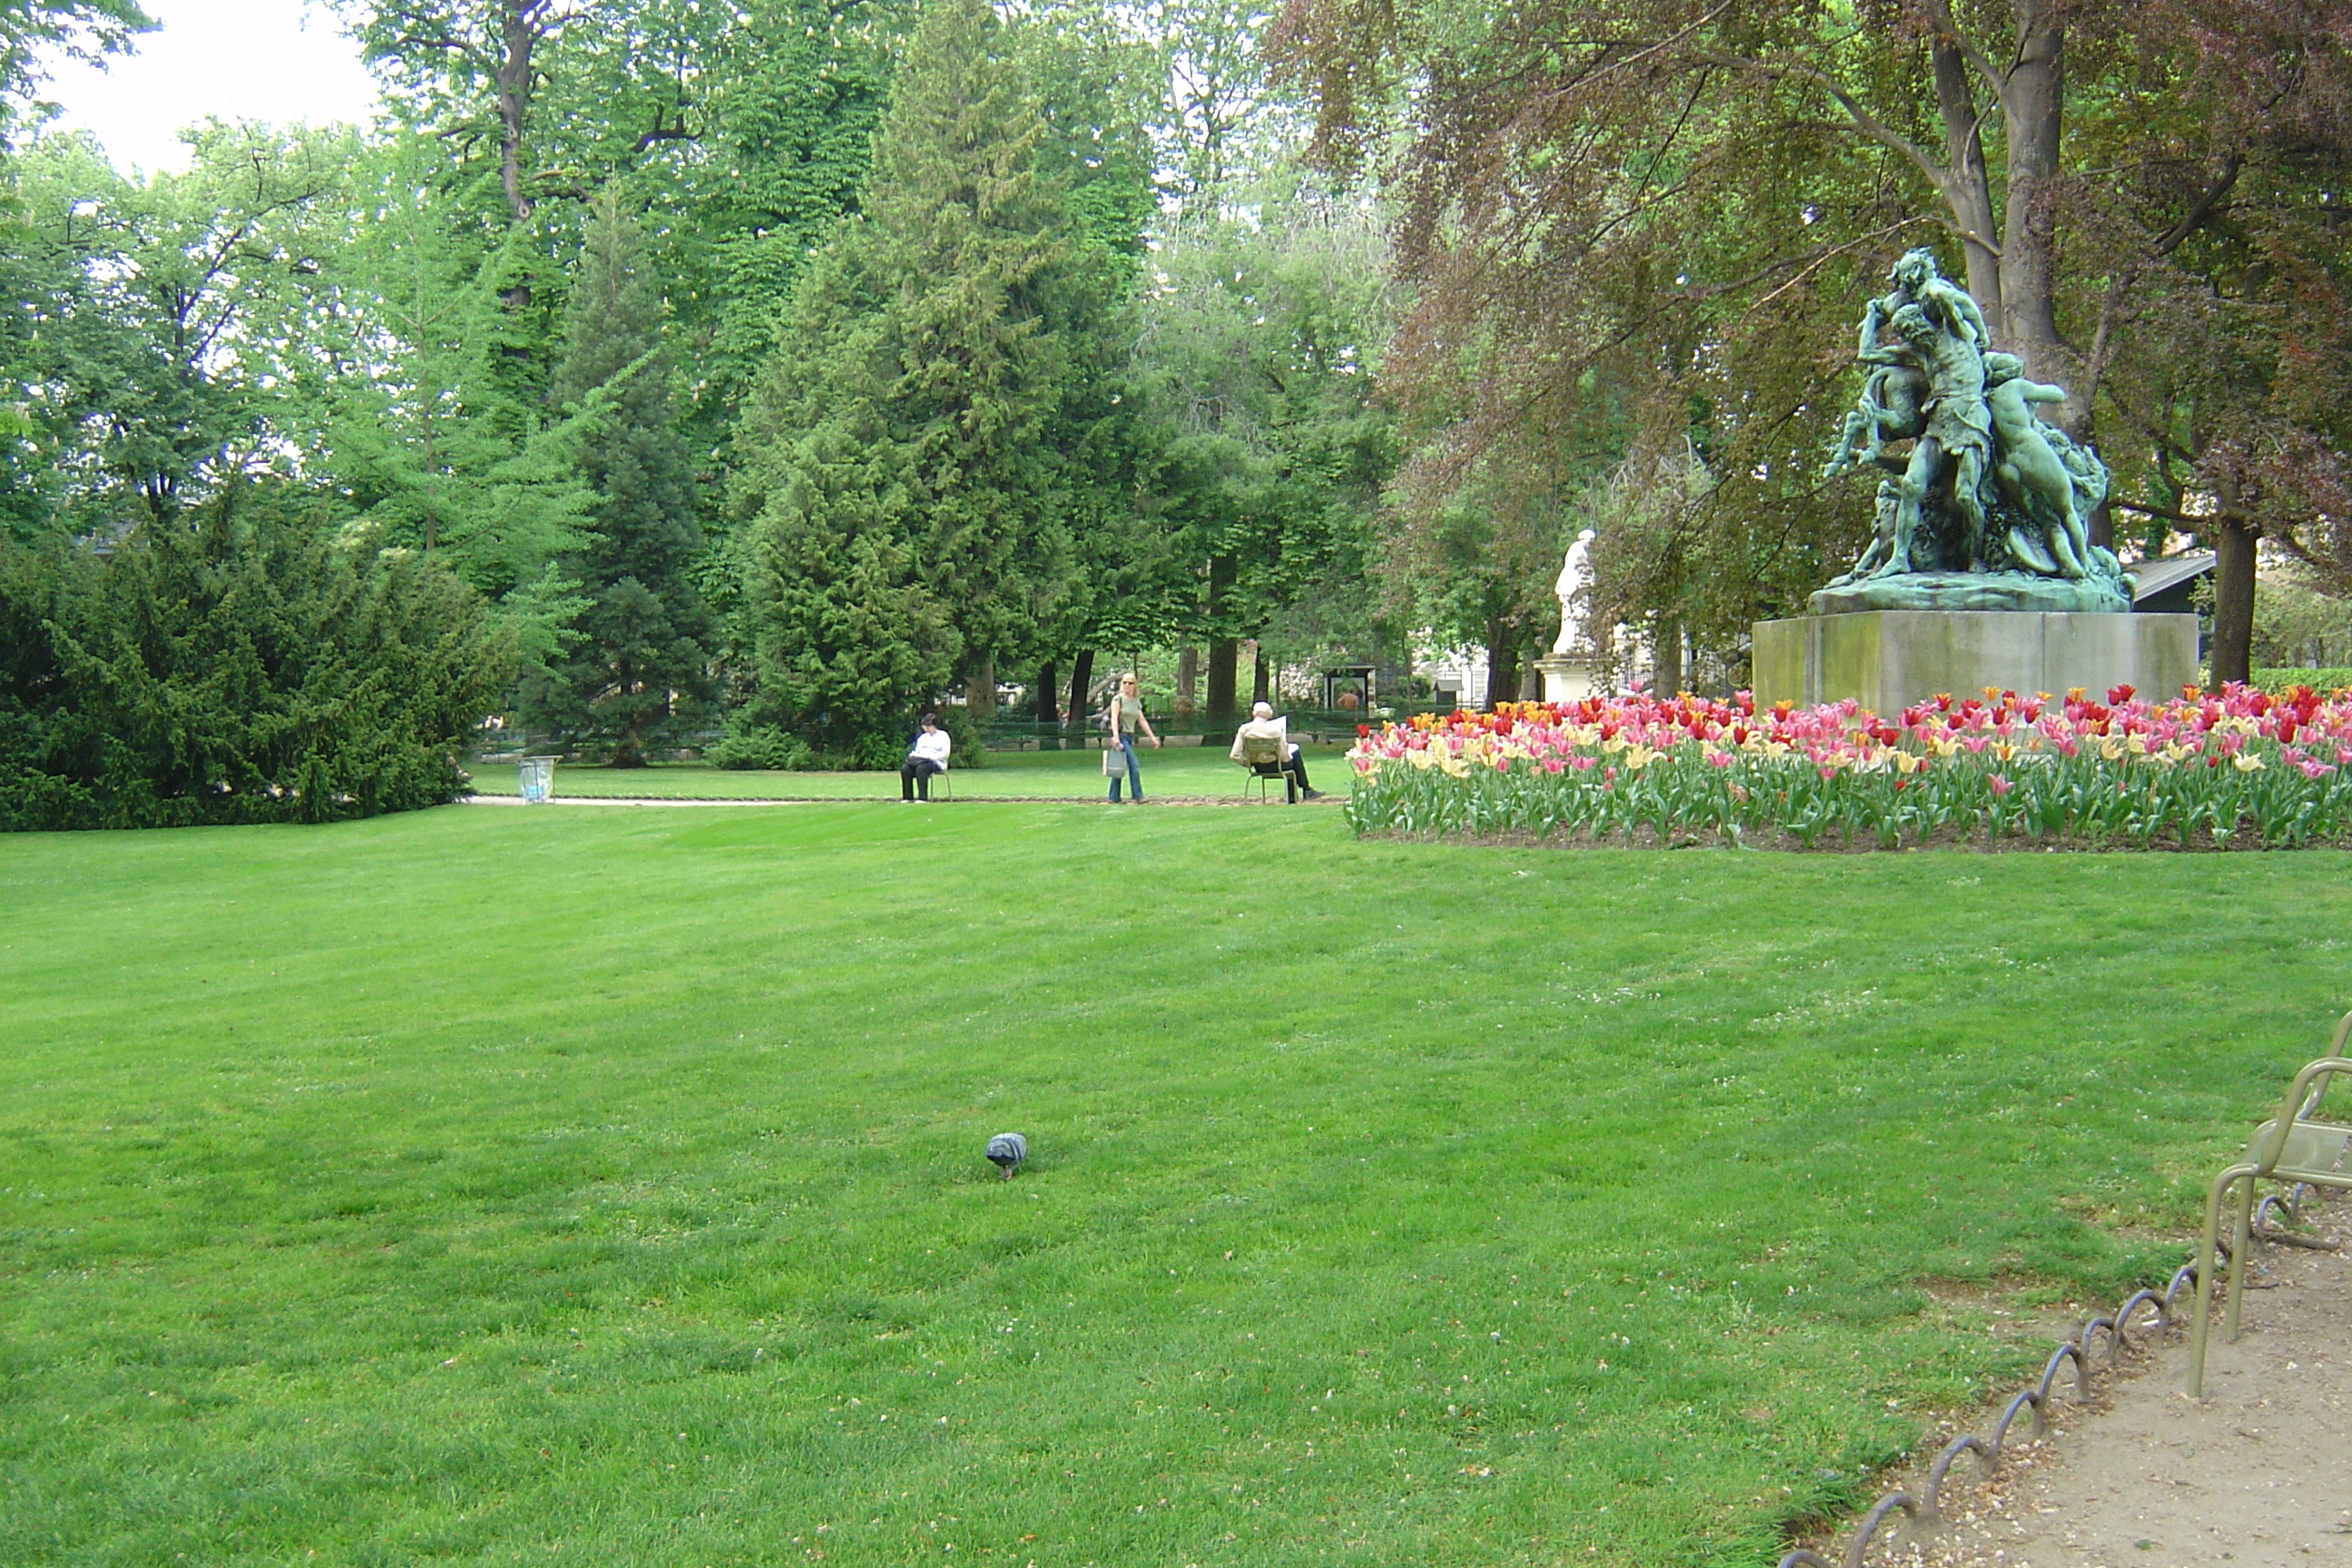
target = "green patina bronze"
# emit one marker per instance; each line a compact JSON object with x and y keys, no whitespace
{"x":1987,"y":509}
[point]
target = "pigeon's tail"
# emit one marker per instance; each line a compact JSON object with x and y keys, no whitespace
{"x":1006,"y":1151}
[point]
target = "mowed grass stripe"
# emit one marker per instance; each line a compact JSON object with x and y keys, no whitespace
{"x":592,"y":1187}
{"x":1191,"y":772}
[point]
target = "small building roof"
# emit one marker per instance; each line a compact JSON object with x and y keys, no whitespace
{"x":2150,"y":578}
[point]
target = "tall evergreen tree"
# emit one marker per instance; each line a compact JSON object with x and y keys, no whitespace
{"x":955,"y":327}
{"x":644,"y":628}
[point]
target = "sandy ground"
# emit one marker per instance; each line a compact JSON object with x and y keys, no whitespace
{"x":2258,"y":1474}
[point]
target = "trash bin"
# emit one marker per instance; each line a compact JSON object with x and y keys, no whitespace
{"x":537,"y":776}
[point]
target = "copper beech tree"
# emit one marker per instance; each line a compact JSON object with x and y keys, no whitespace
{"x":1636,"y":224}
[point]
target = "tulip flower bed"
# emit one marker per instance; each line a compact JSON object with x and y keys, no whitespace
{"x":2245,"y":769}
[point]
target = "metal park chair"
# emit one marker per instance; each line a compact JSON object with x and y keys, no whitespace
{"x":1262,"y":755}
{"x":2295,"y":1147}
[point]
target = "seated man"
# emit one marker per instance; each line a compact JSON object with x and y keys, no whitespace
{"x":928,"y":756}
{"x":1263,"y":726}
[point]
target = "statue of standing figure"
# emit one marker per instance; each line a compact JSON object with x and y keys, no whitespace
{"x":1989,"y":498}
{"x":1575,"y":578}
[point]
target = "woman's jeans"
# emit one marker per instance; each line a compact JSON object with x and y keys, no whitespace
{"x":1134,"y":773}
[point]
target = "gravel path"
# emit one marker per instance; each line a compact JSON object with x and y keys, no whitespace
{"x":1324,"y":800}
{"x":2257,"y":1475}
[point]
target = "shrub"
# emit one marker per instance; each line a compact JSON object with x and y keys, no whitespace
{"x":236,"y":667}
{"x":2278,"y":682}
{"x":762,"y":746}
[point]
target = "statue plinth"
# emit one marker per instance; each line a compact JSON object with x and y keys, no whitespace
{"x":1888,"y":659}
{"x":2096,"y":595}
{"x":1567,"y":678}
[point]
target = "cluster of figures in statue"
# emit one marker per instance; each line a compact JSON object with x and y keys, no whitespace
{"x":1987,"y":486}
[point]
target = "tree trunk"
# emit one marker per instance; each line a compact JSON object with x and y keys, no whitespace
{"x":1261,"y":688}
{"x":521,"y":25}
{"x":1666,"y":659}
{"x":1046,"y":691}
{"x":2031,"y":103}
{"x":1082,"y":677}
{"x":1968,"y":185}
{"x":1502,"y":664}
{"x":1188,"y":674}
{"x":2234,"y":600}
{"x":1222,"y":649}
{"x":979,"y":690}
{"x":1223,"y":653}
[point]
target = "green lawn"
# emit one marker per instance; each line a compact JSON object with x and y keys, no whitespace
{"x":606,"y":1188}
{"x":1189,"y":772}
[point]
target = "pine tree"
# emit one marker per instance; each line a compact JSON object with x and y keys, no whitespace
{"x":928,"y":367}
{"x":644,"y":629}
{"x":847,"y":640}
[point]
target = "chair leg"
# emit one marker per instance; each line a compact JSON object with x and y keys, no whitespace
{"x":2243,"y":1236}
{"x":2208,"y":1261}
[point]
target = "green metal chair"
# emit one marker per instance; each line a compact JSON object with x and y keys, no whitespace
{"x":2293,"y":1147}
{"x":1262,"y":755}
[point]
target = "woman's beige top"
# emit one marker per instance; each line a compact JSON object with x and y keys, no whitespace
{"x":1126,"y":715}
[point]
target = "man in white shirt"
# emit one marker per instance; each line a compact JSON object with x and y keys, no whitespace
{"x":1263,"y":725}
{"x":928,"y":756}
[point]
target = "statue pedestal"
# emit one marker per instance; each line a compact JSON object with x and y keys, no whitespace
{"x":1567,"y":678}
{"x":1888,"y":659}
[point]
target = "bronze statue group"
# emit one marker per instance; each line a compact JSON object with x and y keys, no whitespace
{"x":1987,"y":487}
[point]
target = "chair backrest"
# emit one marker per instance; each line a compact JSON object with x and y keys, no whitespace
{"x":1261,"y":750}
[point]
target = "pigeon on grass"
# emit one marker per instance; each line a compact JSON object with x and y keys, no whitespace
{"x":1006,"y":1151}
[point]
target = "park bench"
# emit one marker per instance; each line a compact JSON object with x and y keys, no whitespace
{"x":2294,"y":1147}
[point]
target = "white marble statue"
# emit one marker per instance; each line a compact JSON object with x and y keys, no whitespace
{"x":1575,"y":577}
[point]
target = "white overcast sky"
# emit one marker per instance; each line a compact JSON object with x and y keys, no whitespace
{"x":278,"y":60}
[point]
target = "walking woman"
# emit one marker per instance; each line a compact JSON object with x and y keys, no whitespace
{"x":1126,"y":717}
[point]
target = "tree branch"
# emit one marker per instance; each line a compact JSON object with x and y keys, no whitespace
{"x":2195,"y":218}
{"x":2165,"y":513}
{"x":1869,"y":124}
{"x":1940,"y":14}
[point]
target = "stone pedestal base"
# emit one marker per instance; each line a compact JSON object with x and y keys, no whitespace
{"x":1567,"y":678}
{"x":1888,"y":659}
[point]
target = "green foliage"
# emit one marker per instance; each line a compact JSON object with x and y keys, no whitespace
{"x":746,"y":124}
{"x":762,"y":746}
{"x":233,"y":666}
{"x":845,"y":640}
{"x":2326,"y":681}
{"x":2296,"y":624}
{"x":640,"y":645}
{"x":792,"y":121}
{"x":172,"y":335}
{"x":924,"y":440}
{"x":1260,"y":350}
